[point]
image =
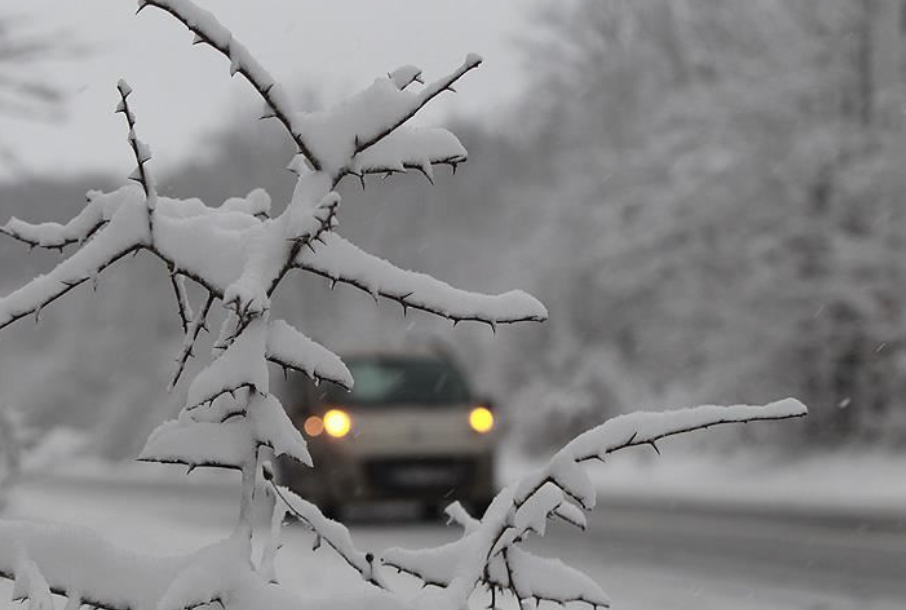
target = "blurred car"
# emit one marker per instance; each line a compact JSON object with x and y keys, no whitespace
{"x":410,"y":429}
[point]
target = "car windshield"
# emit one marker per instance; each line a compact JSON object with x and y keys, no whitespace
{"x":398,"y":381}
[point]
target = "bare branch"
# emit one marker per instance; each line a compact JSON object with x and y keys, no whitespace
{"x":178,"y":283}
{"x":191,"y":336}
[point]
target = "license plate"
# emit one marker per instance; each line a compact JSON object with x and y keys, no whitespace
{"x":419,"y":475}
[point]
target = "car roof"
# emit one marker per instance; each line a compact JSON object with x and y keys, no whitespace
{"x":420,"y":352}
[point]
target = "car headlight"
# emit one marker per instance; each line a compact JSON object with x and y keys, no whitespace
{"x":481,"y":420}
{"x":313,"y":426}
{"x":337,"y":423}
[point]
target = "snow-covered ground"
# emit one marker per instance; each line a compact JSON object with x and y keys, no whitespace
{"x":150,"y":516}
{"x":680,"y":531}
{"x":840,"y":484}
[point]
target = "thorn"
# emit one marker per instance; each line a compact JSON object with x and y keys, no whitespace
{"x":655,"y":447}
{"x":362,"y":180}
{"x":198,"y":38}
{"x":190,"y":469}
{"x":426,"y":172}
{"x":454,"y":166}
{"x":333,"y":283}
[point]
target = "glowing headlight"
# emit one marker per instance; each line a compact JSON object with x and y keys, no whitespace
{"x":337,"y":423}
{"x":481,"y":419}
{"x":313,"y":426}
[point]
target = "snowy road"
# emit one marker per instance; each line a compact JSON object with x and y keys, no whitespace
{"x":667,"y":559}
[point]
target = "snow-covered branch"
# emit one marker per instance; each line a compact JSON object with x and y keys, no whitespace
{"x":406,"y":148}
{"x":402,"y":111}
{"x":332,"y":533}
{"x":126,"y":232}
{"x":488,"y":553}
{"x":292,"y":350}
{"x":141,"y":150}
{"x":341,"y":261}
{"x":340,"y":134}
{"x":74,"y":560}
{"x":239,"y":253}
{"x":207,"y":29}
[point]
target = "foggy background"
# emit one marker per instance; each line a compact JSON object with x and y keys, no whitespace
{"x":706,"y":194}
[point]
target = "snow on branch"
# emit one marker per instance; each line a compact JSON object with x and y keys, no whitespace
{"x":126,"y":232}
{"x":292,"y":350}
{"x":200,"y":444}
{"x":400,"y":112}
{"x":331,"y":532}
{"x":211,"y":576}
{"x":341,"y":261}
{"x":98,"y":211}
{"x":52,"y":235}
{"x":274,"y":429}
{"x":411,"y":148}
{"x":141,"y":150}
{"x":75,"y":561}
{"x":241,"y":365}
{"x":208,"y":30}
{"x":238,"y":253}
{"x":339,"y":134}
{"x":488,"y":555}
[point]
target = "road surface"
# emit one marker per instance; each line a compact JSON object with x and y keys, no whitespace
{"x":645,"y":557}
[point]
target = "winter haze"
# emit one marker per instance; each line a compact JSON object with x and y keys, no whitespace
{"x":706,"y":196}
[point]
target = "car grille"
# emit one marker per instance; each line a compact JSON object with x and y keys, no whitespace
{"x":426,"y":474}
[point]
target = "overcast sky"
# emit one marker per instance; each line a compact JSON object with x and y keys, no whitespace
{"x":183,"y":92}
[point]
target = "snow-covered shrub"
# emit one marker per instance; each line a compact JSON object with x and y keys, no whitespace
{"x":238,"y":254}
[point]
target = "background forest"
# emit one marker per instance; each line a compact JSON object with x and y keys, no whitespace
{"x":707,"y":194}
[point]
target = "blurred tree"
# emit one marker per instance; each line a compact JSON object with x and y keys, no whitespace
{"x":24,"y":94}
{"x":729,"y":186}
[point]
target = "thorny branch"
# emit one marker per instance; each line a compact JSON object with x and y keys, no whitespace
{"x":241,"y":62}
{"x":191,"y":336}
{"x":424,"y":96}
